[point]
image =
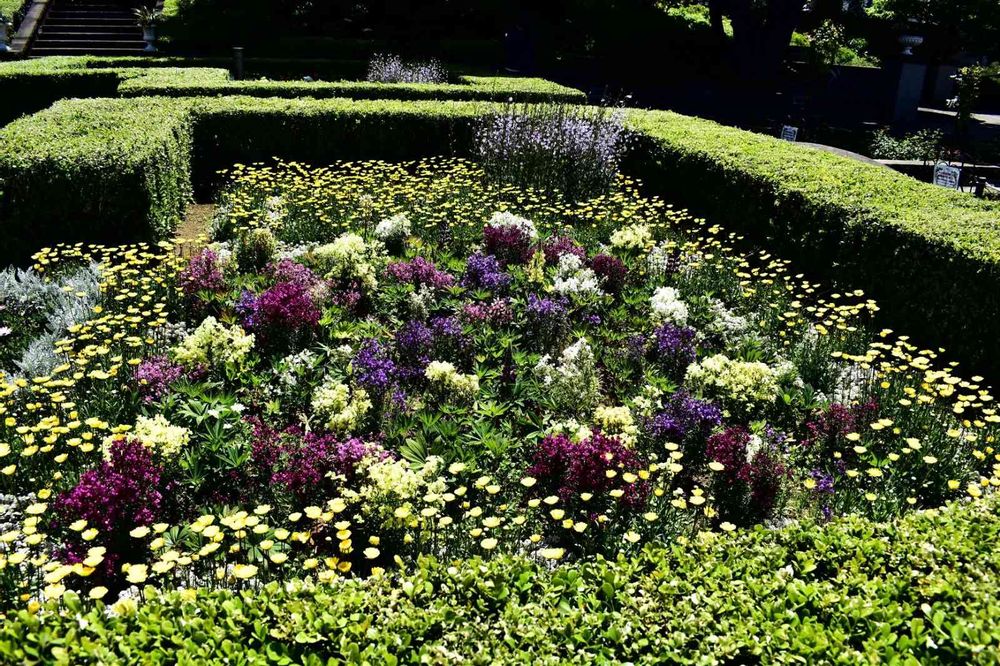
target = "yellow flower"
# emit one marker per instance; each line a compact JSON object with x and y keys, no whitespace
{"x":244,"y":571}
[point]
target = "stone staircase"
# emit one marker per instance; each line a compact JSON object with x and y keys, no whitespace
{"x":82,"y":27}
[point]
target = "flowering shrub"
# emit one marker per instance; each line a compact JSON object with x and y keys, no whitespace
{"x":443,"y":375}
{"x":107,"y":505}
{"x":743,"y":383}
{"x":340,"y":408}
{"x":571,"y":383}
{"x":666,"y":306}
{"x":214,"y":345}
{"x":575,"y":150}
{"x":388,"y":68}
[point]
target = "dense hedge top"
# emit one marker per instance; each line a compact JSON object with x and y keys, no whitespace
{"x":170,"y":78}
{"x":191,"y":82}
{"x":919,"y":590}
{"x":864,"y":194}
{"x":90,"y":131}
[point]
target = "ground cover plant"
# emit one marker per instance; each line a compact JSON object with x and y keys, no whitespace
{"x":373,"y":362}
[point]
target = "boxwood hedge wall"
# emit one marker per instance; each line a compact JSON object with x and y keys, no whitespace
{"x":32,"y":85}
{"x":922,"y":590}
{"x":931,"y":257}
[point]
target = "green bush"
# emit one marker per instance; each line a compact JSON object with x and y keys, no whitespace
{"x":32,"y":85}
{"x":922,"y":589}
{"x":94,"y":170}
{"x":930,"y":256}
{"x":177,"y":82}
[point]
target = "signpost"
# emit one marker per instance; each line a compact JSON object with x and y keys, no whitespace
{"x":946,"y":175}
{"x":789,"y":133}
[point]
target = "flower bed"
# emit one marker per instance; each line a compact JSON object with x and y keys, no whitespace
{"x":381,"y":361}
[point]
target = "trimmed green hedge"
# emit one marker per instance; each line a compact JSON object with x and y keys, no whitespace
{"x":32,"y":85}
{"x":930,"y":256}
{"x":96,"y":171}
{"x":204,"y":82}
{"x":922,"y":590}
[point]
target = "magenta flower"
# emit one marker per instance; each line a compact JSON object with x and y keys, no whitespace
{"x":202,"y":274}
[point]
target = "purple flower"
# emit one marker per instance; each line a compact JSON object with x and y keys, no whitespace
{"x":202,"y":274}
{"x":482,"y":271}
{"x":154,"y":377}
{"x":281,"y":313}
{"x":495,"y":313}
{"x":684,"y":419}
{"x":288,"y":270}
{"x":417,"y":344}
{"x":115,"y":497}
{"x":673,"y":349}
{"x":556,"y":246}
{"x":510,"y":244}
{"x":373,"y":369}
{"x":418,"y":272}
{"x":746,"y":491}
{"x":611,"y":271}
{"x":568,"y":469}
{"x":546,"y":318}
{"x":311,"y":465}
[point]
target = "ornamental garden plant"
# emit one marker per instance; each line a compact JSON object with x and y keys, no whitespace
{"x":369,"y":366}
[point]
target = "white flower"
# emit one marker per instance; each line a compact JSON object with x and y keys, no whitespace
{"x":505,"y":220}
{"x":667,"y":306}
{"x":393,"y":228}
{"x":572,"y":277}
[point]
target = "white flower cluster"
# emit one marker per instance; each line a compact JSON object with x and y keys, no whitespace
{"x":393,"y":229}
{"x":725,"y":324}
{"x":156,"y":434}
{"x":667,"y":306}
{"x":444,"y":375}
{"x":340,"y":408}
{"x":214,"y":344}
{"x":573,"y":278}
{"x":572,"y":384}
{"x":659,"y":260}
{"x":348,"y":257}
{"x":738,"y":382}
{"x":572,"y":428}
{"x":391,"y":489}
{"x":632,"y":237}
{"x":504,"y":220}
{"x":617,"y":422}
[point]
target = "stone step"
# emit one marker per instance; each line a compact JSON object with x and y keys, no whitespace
{"x":100,"y":43}
{"x":89,"y":29}
{"x":45,"y":51}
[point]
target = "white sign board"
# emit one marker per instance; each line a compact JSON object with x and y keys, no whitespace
{"x":946,"y":175}
{"x":789,"y":133}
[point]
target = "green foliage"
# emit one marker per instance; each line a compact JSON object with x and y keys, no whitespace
{"x":921,"y":145}
{"x":930,"y":256}
{"x":32,"y":85}
{"x":950,"y":26}
{"x":94,"y":170}
{"x":922,"y":589}
{"x":178,"y":82}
